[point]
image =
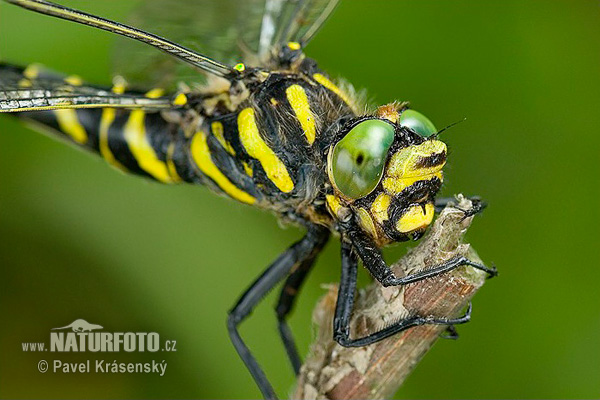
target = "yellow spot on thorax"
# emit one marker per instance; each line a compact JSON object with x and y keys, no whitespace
{"x":257,"y":148}
{"x":414,"y":218}
{"x":134,"y":133}
{"x":294,"y":46}
{"x":239,"y":67}
{"x":68,"y":123}
{"x":180,"y":100}
{"x":323,"y":80}
{"x":202,"y":158}
{"x":274,"y":101}
{"x":298,"y":99}
{"x":217,"y":130}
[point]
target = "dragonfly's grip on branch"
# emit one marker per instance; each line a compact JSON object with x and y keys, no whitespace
{"x":378,"y":370}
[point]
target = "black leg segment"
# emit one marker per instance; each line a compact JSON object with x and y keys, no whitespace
{"x":345,"y":303}
{"x":288,"y":295}
{"x":373,"y":261}
{"x":296,"y":255}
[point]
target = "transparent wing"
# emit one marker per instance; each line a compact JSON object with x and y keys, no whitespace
{"x":230,"y":31}
{"x":20,"y":92}
{"x":295,"y":21}
{"x":206,"y":26}
{"x":174,"y":50}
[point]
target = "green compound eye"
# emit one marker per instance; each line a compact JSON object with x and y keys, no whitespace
{"x":358,"y":159}
{"x":417,"y":122}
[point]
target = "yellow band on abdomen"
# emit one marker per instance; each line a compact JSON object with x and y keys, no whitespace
{"x":137,"y":141}
{"x":69,"y":124}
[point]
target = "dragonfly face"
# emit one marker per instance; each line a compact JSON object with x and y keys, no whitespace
{"x":386,"y":171}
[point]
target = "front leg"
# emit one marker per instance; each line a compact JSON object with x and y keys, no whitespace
{"x":477,"y":206}
{"x":374,"y":263}
{"x":345,"y":304}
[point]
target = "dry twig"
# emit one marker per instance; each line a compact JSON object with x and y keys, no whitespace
{"x":378,"y":370}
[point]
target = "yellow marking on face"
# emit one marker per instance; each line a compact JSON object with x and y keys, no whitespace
{"x":294,"y":46}
{"x":239,"y":67}
{"x":299,"y":102}
{"x":366,"y":222}
{"x":248,"y":169}
{"x":218,"y":131}
{"x":32,"y":71}
{"x":323,"y":80}
{"x":404,"y":163}
{"x":201,"y":156}
{"x":25,"y":83}
{"x":68,"y":123}
{"x":74,"y":80}
{"x":155,"y":93}
{"x":170,"y":164}
{"x":333,"y":203}
{"x":414,"y":218}
{"x":180,"y":100}
{"x":257,"y":148}
{"x":395,"y":185}
{"x":380,"y":206}
{"x":134,"y":133}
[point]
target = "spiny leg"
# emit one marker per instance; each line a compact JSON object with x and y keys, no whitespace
{"x":345,"y":303}
{"x":294,"y":255}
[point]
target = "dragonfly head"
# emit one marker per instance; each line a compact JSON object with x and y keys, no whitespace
{"x":385,"y":170}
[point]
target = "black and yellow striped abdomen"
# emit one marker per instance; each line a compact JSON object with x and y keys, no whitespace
{"x":270,"y":152}
{"x":134,"y":141}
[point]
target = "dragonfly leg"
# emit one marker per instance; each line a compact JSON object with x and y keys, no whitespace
{"x":279,"y":269}
{"x":345,"y":303}
{"x":288,"y":297}
{"x":477,"y":207}
{"x":373,"y":261}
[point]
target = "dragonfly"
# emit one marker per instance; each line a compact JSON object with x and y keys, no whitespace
{"x":245,"y":112}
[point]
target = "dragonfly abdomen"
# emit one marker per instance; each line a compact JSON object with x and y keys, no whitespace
{"x":136,"y":141}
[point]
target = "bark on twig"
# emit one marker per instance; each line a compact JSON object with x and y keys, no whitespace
{"x":378,"y":370}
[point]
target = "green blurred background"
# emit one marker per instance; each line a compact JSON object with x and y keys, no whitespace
{"x":80,"y":240}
